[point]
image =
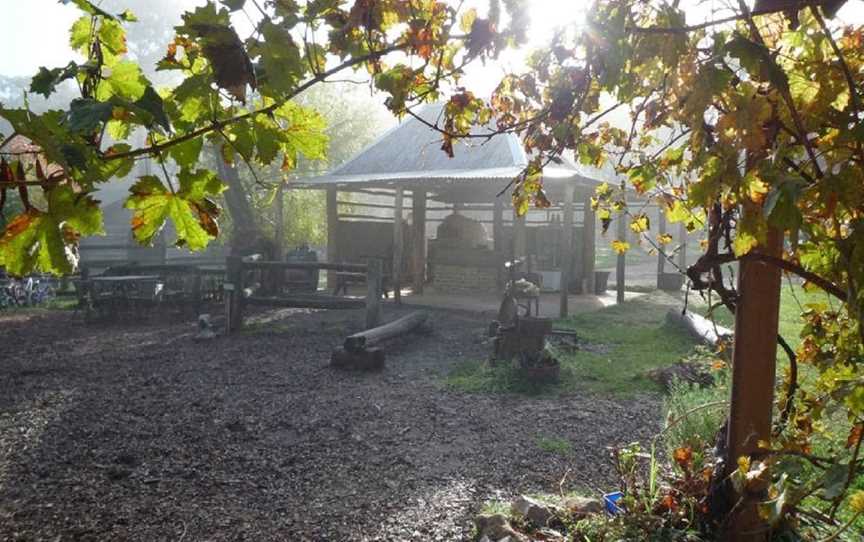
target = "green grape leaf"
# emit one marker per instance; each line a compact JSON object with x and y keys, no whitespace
{"x":125,"y":80}
{"x":191,"y":211}
{"x":281,"y":60}
{"x":757,"y":60}
{"x":90,"y":8}
{"x":152,"y":103}
{"x":86,"y":116}
{"x":45,"y":240}
{"x":45,"y":82}
{"x":186,"y":154}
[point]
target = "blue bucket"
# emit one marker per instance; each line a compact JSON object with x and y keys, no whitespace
{"x":611,"y":502}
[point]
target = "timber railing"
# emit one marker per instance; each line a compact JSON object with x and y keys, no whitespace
{"x":242,"y":290}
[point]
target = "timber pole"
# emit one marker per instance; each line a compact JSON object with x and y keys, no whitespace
{"x":754,"y":358}
{"x":418,"y":247}
{"x":566,"y":252}
{"x":397,"y":245}
{"x":620,"y":263}
{"x":332,"y":233}
{"x":589,"y":222}
{"x":373,"y":292}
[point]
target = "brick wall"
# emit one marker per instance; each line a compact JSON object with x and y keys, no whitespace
{"x":463,"y":279}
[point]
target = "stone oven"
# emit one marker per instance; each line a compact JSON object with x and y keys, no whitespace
{"x":460,"y":259}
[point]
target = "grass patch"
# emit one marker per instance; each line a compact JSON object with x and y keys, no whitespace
{"x":618,"y":345}
{"x":554,"y":445}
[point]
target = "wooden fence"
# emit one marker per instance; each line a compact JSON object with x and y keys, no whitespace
{"x":240,"y":291}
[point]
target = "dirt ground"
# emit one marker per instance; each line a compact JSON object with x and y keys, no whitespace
{"x":118,"y":431}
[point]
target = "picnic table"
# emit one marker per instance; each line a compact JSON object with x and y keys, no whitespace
{"x":110,"y":293}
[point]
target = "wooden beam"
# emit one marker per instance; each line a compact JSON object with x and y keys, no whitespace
{"x":332,"y":233}
{"x":566,"y":250}
{"x":620,"y":264}
{"x":754,"y":358}
{"x":682,"y":250}
{"x":661,"y":254}
{"x":588,"y":246}
{"x":374,"y":275}
{"x":498,"y":225}
{"x":418,"y":213}
{"x":520,"y":237}
{"x":233,"y":293}
{"x":398,"y":245}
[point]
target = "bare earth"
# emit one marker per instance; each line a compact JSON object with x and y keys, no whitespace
{"x":124,"y":432}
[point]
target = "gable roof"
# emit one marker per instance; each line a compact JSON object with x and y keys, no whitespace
{"x":410,"y":155}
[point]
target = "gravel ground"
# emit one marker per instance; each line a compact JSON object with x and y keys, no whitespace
{"x":122,"y":432}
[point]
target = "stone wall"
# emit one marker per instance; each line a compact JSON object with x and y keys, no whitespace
{"x":458,"y":279}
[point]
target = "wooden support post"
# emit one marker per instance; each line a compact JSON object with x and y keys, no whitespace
{"x":498,"y":225}
{"x":620,"y":270}
{"x":520,"y":236}
{"x":332,"y":233}
{"x":418,"y":213}
{"x":589,"y":224}
{"x":661,"y":255}
{"x":566,"y":251}
{"x":682,"y":250}
{"x":373,"y":292}
{"x":754,"y":359}
{"x":398,"y":244}
{"x":233,"y":293}
{"x":498,"y":237}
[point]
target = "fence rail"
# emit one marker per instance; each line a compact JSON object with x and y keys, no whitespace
{"x":238,"y":293}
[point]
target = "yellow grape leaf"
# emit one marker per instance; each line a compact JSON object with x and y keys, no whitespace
{"x":744,"y":243}
{"x":639,"y":224}
{"x":620,"y":247}
{"x":664,"y":239}
{"x":856,"y":502}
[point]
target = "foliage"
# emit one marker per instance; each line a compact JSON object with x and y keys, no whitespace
{"x":237,"y":93}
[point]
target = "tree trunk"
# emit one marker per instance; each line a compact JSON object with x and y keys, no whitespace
{"x":246,"y":236}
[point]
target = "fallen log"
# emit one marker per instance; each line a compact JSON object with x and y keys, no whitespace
{"x":359,"y":341}
{"x":699,"y":326}
{"x":357,"y":351}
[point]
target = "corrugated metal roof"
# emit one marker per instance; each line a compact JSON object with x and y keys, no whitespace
{"x":411,"y":154}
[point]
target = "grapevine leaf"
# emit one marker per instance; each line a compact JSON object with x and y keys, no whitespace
{"x":153,"y":104}
{"x":45,"y":82}
{"x":45,"y":240}
{"x":86,"y":115}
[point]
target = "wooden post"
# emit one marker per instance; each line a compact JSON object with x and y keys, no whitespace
{"x":373,"y":292}
{"x":418,"y":213}
{"x":682,"y":250}
{"x":566,"y":251}
{"x":520,"y":236}
{"x":661,"y":255}
{"x":498,"y":238}
{"x":589,"y":224}
{"x":620,"y":264}
{"x":279,"y":223}
{"x":754,"y":358}
{"x":332,"y":233}
{"x":397,"y":245}
{"x":233,"y":293}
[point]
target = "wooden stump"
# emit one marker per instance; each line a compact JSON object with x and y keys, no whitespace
{"x":369,"y":359}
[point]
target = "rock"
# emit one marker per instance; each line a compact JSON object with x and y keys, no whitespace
{"x":580,"y":507}
{"x":534,"y":511}
{"x":496,"y":528}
